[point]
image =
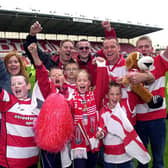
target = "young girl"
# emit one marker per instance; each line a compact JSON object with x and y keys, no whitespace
{"x":121,"y":142}
{"x":85,"y":105}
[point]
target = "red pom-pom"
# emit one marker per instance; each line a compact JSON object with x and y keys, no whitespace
{"x":54,"y":125}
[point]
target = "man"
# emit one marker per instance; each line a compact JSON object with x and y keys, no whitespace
{"x":84,"y":57}
{"x":150,"y":122}
{"x":116,"y":63}
{"x":151,"y":125}
{"x":65,"y":53}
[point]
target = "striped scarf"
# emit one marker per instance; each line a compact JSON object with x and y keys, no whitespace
{"x":86,"y":114}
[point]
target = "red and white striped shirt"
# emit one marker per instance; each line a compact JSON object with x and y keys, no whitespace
{"x":17,"y":145}
{"x":144,"y":113}
{"x":116,"y":71}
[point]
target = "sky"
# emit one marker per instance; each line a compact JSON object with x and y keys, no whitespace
{"x":145,"y":12}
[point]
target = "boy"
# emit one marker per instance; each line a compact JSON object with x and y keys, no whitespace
{"x":17,"y":145}
{"x":120,"y":140}
{"x":50,"y":82}
{"x":70,"y":73}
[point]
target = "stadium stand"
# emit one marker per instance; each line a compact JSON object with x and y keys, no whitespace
{"x":50,"y":46}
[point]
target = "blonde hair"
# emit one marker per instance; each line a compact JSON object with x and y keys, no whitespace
{"x":147,"y":38}
{"x":85,"y":71}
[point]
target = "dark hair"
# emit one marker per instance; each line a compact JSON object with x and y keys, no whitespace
{"x":111,"y":38}
{"x":64,"y":41}
{"x":147,"y":38}
{"x":82,"y":40}
{"x":114,"y":84}
{"x":72,"y":61}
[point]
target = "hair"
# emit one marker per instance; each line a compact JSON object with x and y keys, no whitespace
{"x":54,"y":67}
{"x":26,"y":79}
{"x":111,"y":38}
{"x":113,"y":84}
{"x":72,"y":61}
{"x":144,"y":38}
{"x":85,"y":71}
{"x":22,"y":66}
{"x":64,"y":41}
{"x":82,"y":40}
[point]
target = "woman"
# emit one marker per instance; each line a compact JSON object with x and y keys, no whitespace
{"x":14,"y":64}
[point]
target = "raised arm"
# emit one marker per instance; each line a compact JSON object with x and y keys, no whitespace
{"x":42,"y":74}
{"x":109,"y":31}
{"x":31,"y":38}
{"x":102,"y":81}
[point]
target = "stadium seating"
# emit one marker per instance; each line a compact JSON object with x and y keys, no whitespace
{"x":50,"y":46}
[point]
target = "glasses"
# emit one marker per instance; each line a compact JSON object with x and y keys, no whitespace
{"x":81,"y":48}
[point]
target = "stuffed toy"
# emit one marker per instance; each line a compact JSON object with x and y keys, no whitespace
{"x":137,"y":62}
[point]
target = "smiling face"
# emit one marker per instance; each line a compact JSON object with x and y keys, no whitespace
{"x":13,"y":65}
{"x":114,"y":96}
{"x":111,"y":50}
{"x":57,"y":77}
{"x":20,"y":87}
{"x":66,"y":51}
{"x":83,"y":82}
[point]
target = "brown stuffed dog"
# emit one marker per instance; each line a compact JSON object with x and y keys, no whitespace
{"x":135,"y":61}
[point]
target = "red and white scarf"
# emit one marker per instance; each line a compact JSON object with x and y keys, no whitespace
{"x":85,"y":115}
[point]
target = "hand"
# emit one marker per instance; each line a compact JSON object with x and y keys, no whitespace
{"x":33,"y":49}
{"x":98,"y":59}
{"x":35,"y":28}
{"x":106,"y":25}
{"x":99,"y":134}
{"x":132,"y":76}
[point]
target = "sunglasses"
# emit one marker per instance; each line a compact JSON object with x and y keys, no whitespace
{"x":81,"y":48}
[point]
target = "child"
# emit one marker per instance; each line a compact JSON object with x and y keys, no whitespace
{"x":85,"y":105}
{"x":17,"y":145}
{"x":50,"y":82}
{"x":70,"y":72}
{"x":121,"y":142}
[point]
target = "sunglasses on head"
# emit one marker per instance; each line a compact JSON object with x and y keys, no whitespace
{"x":81,"y":48}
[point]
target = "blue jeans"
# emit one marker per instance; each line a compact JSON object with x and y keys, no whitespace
{"x":128,"y":164}
{"x":90,"y":162}
{"x":153,"y":132}
{"x":50,"y":160}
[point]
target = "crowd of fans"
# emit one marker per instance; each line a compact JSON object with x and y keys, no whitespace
{"x":110,"y":121}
